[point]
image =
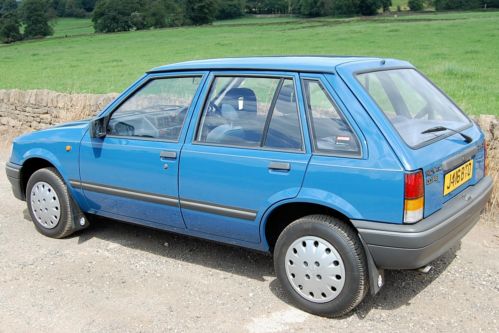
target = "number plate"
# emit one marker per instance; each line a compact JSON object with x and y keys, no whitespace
{"x":458,"y":177}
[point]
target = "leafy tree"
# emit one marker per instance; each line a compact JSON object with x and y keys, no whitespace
{"x":228,"y":9}
{"x":35,"y":16}
{"x":457,"y":4}
{"x":345,"y":7}
{"x":385,"y":5}
{"x":9,"y":22}
{"x":490,"y":3}
{"x":200,"y":11}
{"x":369,"y":7}
{"x":74,"y":8}
{"x":114,"y":15}
{"x":416,"y":5}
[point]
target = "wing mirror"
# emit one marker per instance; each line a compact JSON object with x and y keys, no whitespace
{"x":98,"y":127}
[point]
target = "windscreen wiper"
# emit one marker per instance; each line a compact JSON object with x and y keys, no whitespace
{"x":467,"y":138}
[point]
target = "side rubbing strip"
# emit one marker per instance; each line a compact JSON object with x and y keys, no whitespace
{"x":166,"y":200}
{"x":220,"y":210}
{"x":155,"y":198}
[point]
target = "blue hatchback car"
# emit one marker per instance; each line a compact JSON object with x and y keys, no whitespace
{"x":341,"y":167}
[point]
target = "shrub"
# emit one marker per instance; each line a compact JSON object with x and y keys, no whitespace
{"x":416,"y":5}
{"x":34,"y":15}
{"x":457,"y":4}
{"x":9,"y":28}
{"x":201,"y":11}
{"x":369,"y":7}
{"x":229,"y":9}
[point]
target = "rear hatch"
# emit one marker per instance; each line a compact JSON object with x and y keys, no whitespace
{"x":425,"y":128}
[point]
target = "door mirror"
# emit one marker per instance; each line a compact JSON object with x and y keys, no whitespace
{"x":98,"y":127}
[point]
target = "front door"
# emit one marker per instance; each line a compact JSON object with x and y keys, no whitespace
{"x":246,"y":153}
{"x":132,"y":173}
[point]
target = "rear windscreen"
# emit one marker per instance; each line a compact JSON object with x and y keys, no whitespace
{"x":412,"y":104}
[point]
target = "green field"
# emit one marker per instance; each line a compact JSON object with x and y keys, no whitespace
{"x":459,"y":51}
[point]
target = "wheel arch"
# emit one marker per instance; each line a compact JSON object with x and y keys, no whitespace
{"x":36,"y":160}
{"x":283,"y":213}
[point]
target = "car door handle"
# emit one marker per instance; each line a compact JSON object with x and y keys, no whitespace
{"x":168,"y":155}
{"x":279,"y":166}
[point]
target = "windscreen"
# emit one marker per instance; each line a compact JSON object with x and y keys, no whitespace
{"x":412,"y":104}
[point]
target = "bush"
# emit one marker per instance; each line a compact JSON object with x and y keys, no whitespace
{"x":10,"y":28}
{"x":457,"y":4}
{"x":229,"y":9}
{"x":416,"y":5}
{"x":34,"y":15}
{"x":114,"y":15}
{"x":345,"y":7}
{"x":200,"y":11}
{"x":490,"y":3}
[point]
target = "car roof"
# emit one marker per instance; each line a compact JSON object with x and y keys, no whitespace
{"x":321,"y":64}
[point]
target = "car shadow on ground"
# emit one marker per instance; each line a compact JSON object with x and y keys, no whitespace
{"x":399,"y":289}
{"x":401,"y":286}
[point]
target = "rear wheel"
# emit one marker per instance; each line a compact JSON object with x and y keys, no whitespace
{"x":320,"y":262}
{"x":49,"y":203}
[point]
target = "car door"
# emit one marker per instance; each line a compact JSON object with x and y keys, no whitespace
{"x":132,"y":172}
{"x":246,"y":152}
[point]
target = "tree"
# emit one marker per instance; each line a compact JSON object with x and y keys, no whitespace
{"x":114,"y":15}
{"x":385,"y":5}
{"x":229,"y":9}
{"x":369,"y":7}
{"x":416,"y":5}
{"x":200,"y":11}
{"x":345,"y":7}
{"x":9,"y":22}
{"x":34,"y":15}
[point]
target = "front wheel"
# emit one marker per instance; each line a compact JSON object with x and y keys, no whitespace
{"x":320,"y":262}
{"x":49,"y":204}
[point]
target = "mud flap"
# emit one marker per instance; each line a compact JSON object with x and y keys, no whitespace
{"x":376,"y":275}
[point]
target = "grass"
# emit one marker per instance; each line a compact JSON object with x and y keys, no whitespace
{"x":459,"y":51}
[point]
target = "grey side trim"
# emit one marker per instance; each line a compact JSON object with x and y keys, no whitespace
{"x":219,"y":210}
{"x":150,"y":197}
{"x":235,"y":212}
{"x":13,"y":170}
{"x":455,"y":161}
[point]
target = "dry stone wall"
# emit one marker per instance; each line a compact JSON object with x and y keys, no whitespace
{"x":36,"y":109}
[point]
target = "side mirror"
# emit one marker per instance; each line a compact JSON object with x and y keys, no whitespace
{"x":98,"y":127}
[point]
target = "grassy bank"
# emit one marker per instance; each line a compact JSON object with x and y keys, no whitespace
{"x":459,"y":51}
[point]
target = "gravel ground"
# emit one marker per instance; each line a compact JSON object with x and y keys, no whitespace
{"x":116,"y":277}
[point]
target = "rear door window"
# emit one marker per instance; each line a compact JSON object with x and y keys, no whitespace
{"x":331,"y":132}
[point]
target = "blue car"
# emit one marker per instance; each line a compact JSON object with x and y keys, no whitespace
{"x":340,"y":167}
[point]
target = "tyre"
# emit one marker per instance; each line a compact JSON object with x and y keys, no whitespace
{"x":49,"y":203}
{"x":321,"y":264}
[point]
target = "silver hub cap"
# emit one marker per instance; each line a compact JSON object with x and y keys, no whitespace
{"x":315,"y":269}
{"x":45,"y":205}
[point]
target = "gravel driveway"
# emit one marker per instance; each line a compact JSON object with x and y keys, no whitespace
{"x":124,"y":278}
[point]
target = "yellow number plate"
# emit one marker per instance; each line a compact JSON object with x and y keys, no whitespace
{"x":458,"y":177}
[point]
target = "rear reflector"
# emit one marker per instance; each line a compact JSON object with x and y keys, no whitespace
{"x":413,"y":197}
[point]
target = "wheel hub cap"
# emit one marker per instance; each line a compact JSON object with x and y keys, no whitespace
{"x":45,"y":205}
{"x":315,"y":269}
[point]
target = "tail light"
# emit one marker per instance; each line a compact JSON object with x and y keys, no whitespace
{"x":413,"y":197}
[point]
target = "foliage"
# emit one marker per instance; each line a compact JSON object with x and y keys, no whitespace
{"x":200,"y":11}
{"x":369,"y":7}
{"x":34,"y":15}
{"x":9,"y":22}
{"x":229,"y":9}
{"x":416,"y":5}
{"x":456,"y":4}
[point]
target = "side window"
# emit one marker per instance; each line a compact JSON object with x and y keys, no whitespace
{"x":331,"y":132}
{"x":251,"y":112}
{"x":157,"y":110}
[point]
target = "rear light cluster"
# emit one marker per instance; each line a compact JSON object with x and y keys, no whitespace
{"x":413,"y":197}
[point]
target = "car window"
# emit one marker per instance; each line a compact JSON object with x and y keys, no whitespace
{"x":251,"y":112}
{"x":331,"y":132}
{"x":157,"y":110}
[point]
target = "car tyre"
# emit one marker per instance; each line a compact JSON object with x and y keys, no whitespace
{"x":321,"y":264}
{"x":49,"y":204}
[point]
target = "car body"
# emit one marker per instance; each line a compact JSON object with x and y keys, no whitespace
{"x":241,"y":148}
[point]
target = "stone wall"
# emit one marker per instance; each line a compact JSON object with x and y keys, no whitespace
{"x":35,"y":109}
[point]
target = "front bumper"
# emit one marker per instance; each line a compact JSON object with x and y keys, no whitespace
{"x":398,"y":246}
{"x":14,"y":176}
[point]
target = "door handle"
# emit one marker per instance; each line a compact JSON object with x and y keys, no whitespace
{"x":279,"y":166}
{"x":168,"y":155}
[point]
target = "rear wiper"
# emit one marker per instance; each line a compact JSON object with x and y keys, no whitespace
{"x":467,"y":138}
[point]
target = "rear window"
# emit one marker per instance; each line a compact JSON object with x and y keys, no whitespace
{"x":413,"y":104}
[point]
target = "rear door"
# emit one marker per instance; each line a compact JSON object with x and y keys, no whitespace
{"x":245,"y":152}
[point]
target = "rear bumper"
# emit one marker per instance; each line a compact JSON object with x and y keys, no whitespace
{"x":14,"y":176}
{"x":397,"y":246}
